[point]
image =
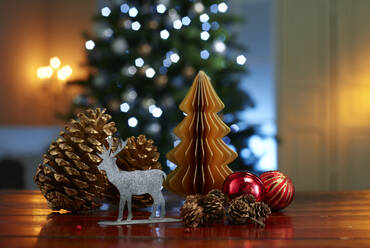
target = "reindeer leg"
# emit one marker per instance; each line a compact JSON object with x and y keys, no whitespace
{"x":154,"y":207}
{"x":122,"y":202}
{"x":163,"y":205}
{"x":129,"y":217}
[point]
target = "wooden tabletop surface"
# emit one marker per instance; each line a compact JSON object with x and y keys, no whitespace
{"x":337,"y":219}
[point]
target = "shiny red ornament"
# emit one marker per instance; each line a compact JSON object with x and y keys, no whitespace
{"x":279,"y":189}
{"x":239,"y":183}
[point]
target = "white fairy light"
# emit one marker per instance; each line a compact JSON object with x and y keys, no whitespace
{"x":139,"y":62}
{"x":186,"y":21}
{"x":175,"y":57}
{"x":124,"y":8}
{"x":161,"y":8}
{"x":204,"y":17}
{"x":105,"y":11}
{"x":150,"y":72}
{"x":198,"y":7}
{"x":157,"y":112}
{"x":222,"y":7}
{"x":89,"y":45}
{"x":133,"y":12}
{"x":132,"y":122}
{"x":135,"y":26}
{"x":219,"y":46}
{"x":204,"y":35}
{"x":177,"y":24}
{"x":204,"y":54}
{"x":234,"y":128}
{"x":124,"y":107}
{"x":241,"y":59}
{"x":131,"y":70}
{"x":151,"y":108}
{"x":164,"y":34}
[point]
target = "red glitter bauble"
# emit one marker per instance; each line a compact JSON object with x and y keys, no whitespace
{"x":239,"y":183}
{"x":279,"y":189}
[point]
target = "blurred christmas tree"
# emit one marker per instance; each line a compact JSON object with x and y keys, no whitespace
{"x":143,"y":56}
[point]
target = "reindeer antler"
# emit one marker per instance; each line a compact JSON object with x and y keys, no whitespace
{"x":121,"y":145}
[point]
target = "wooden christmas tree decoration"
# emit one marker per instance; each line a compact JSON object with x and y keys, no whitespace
{"x":201,"y":157}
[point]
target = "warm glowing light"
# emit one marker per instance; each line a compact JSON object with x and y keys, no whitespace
{"x":44,"y":72}
{"x":64,"y":72}
{"x":55,"y":62}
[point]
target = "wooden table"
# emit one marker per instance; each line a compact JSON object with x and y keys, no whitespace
{"x":340,"y":219}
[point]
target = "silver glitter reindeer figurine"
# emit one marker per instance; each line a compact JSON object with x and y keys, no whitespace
{"x":131,"y":183}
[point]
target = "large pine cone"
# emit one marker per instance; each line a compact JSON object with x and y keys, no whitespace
{"x":68,"y":177}
{"x":139,"y":154}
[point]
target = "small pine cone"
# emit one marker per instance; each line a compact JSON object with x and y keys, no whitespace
{"x":191,"y":212}
{"x":261,"y":211}
{"x":139,"y":153}
{"x":221,"y":196}
{"x":214,"y":210}
{"x":240,"y":210}
{"x":68,"y":176}
{"x":248,"y":198}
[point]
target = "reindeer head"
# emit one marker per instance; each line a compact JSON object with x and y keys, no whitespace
{"x":108,"y":156}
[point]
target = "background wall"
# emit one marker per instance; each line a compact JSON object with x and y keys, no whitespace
{"x":324,"y":93}
{"x":35,"y":31}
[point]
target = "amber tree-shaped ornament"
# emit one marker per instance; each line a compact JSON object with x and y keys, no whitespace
{"x":201,"y":156}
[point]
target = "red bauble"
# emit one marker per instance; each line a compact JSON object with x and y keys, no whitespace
{"x":239,"y":183}
{"x":279,"y":189}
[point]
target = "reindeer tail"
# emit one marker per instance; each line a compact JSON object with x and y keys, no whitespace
{"x":164,"y":175}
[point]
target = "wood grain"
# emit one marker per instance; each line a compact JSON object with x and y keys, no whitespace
{"x":340,"y":219}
